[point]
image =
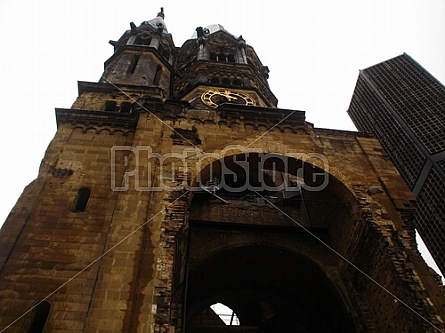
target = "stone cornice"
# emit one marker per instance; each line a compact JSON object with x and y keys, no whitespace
{"x":262,"y":114}
{"x":335,"y":132}
{"x":96,"y":118}
{"x":122,"y":88}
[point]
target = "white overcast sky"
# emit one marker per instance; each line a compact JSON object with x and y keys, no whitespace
{"x":314,"y":50}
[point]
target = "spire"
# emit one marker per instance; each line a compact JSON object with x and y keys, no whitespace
{"x":161,"y":13}
{"x":158,"y":22}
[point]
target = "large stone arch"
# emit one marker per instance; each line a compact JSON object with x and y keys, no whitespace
{"x":324,"y":201}
{"x":228,"y":234}
{"x":200,"y":161}
{"x":345,"y":232}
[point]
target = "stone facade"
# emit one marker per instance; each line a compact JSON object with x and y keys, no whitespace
{"x":156,"y":241}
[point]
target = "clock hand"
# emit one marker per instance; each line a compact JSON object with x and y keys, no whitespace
{"x":229,"y":96}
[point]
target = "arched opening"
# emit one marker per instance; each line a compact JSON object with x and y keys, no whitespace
{"x":269,"y":289}
{"x":249,"y":249}
{"x":83,"y":195}
{"x":126,"y":107}
{"x":39,"y":317}
{"x":110,"y":106}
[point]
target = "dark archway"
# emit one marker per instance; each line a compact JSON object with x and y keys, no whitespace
{"x":249,"y":249}
{"x":271,"y":290}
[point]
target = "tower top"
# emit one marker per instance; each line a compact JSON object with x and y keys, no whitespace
{"x":158,"y":22}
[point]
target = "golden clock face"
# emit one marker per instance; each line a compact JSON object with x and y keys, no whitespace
{"x":213,"y":98}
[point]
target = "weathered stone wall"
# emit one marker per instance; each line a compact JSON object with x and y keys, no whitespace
{"x":46,"y":244}
{"x":126,"y":240}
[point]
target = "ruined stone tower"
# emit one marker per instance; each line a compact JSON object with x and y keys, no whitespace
{"x":176,"y":182}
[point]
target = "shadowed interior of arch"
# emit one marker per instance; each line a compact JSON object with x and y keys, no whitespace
{"x":259,"y":260}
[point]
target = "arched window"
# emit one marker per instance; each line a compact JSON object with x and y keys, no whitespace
{"x":126,"y":107}
{"x":39,"y":316}
{"x":110,"y":106}
{"x":158,"y":73}
{"x":82,"y":199}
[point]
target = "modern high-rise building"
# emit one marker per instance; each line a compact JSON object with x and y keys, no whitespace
{"x":176,"y":184}
{"x":404,"y":107}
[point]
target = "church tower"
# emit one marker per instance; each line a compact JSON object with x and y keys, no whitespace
{"x":175,"y":182}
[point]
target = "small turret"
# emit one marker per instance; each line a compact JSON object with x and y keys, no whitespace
{"x":142,"y":56}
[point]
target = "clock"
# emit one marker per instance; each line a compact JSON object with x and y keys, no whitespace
{"x":215,"y":97}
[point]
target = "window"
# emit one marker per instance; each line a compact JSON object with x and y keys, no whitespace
{"x":226,"y":314}
{"x":143,"y":40}
{"x":158,"y":74}
{"x":82,"y":199}
{"x":133,"y":64}
{"x":222,"y":57}
{"x":110,"y":106}
{"x":40,"y":316}
{"x":126,"y":107}
{"x":163,"y":51}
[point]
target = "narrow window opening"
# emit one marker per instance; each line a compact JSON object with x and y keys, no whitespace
{"x":40,"y":317}
{"x":213,"y":56}
{"x":222,"y":57}
{"x":133,"y":64}
{"x":231,"y":58}
{"x":143,"y":40}
{"x":126,"y":107}
{"x":110,"y":106}
{"x":161,"y":49}
{"x":157,"y":77}
{"x":83,"y":195}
